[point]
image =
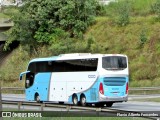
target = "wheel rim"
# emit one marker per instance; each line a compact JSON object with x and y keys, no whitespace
{"x":83,"y":101}
{"x":75,"y":100}
{"x":38,"y":98}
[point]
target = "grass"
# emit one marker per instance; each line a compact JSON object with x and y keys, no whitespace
{"x":144,"y":92}
{"x":2,"y":36}
{"x":142,"y":7}
{"x":14,"y":65}
{"x":145,"y":83}
{"x":2,"y":15}
{"x":64,"y":118}
{"x":79,"y":118}
{"x":136,"y":7}
{"x":148,"y":100}
{"x":8,"y":12}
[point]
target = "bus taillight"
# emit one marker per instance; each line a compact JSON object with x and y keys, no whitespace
{"x":101,"y":88}
{"x":127,"y":88}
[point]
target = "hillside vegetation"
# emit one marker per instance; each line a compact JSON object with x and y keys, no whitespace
{"x":130,"y":27}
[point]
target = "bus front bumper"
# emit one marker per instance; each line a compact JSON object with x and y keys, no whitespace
{"x":103,"y":98}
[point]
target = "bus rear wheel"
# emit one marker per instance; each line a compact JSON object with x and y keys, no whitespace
{"x":75,"y":99}
{"x":83,"y":100}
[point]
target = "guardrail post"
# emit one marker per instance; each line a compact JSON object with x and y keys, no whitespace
{"x":0,"y":101}
{"x":19,"y":105}
{"x":97,"y":111}
{"x":68,"y":107}
{"x":42,"y":106}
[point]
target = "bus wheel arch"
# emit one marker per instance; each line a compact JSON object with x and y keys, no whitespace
{"x":75,"y":99}
{"x":83,"y":99}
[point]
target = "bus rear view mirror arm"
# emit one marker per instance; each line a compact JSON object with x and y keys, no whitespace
{"x":23,"y":73}
{"x":20,"y":77}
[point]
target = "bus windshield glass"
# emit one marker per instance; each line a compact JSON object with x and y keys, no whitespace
{"x":114,"y":63}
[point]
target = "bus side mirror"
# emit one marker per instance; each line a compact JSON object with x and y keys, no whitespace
{"x":21,"y":75}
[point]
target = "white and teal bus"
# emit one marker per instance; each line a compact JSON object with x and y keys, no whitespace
{"x":78,"y":78}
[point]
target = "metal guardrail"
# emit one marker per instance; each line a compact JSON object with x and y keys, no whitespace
{"x":13,"y":88}
{"x":67,"y":107}
{"x":130,"y":89}
{"x":70,"y":108}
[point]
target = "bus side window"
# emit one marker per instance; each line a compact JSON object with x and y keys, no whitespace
{"x":29,"y":79}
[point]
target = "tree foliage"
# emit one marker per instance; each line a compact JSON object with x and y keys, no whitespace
{"x":155,"y":8}
{"x":123,"y":13}
{"x":39,"y":20}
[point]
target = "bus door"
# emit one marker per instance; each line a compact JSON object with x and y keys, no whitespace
{"x":58,"y":88}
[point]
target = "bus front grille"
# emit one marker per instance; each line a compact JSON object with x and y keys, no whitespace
{"x":114,"y":81}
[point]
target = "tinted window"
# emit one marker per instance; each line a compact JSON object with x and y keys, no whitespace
{"x":64,"y":65}
{"x":114,"y":62}
{"x":29,"y":79}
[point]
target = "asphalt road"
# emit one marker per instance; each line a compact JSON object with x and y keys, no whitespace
{"x":128,"y":106}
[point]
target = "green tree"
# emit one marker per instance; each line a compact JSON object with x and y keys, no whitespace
{"x":123,"y":13}
{"x":143,"y":37}
{"x":155,"y":8}
{"x":38,"y":20}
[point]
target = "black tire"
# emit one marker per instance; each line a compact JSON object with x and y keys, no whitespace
{"x":37,"y":98}
{"x":75,"y":100}
{"x":109,"y":104}
{"x":83,"y":100}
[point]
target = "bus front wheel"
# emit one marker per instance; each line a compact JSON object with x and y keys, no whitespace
{"x":37,"y":98}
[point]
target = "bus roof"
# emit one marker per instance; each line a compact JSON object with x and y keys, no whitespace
{"x":74,"y":56}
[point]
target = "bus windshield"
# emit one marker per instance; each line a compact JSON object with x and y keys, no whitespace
{"x":114,"y":63}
